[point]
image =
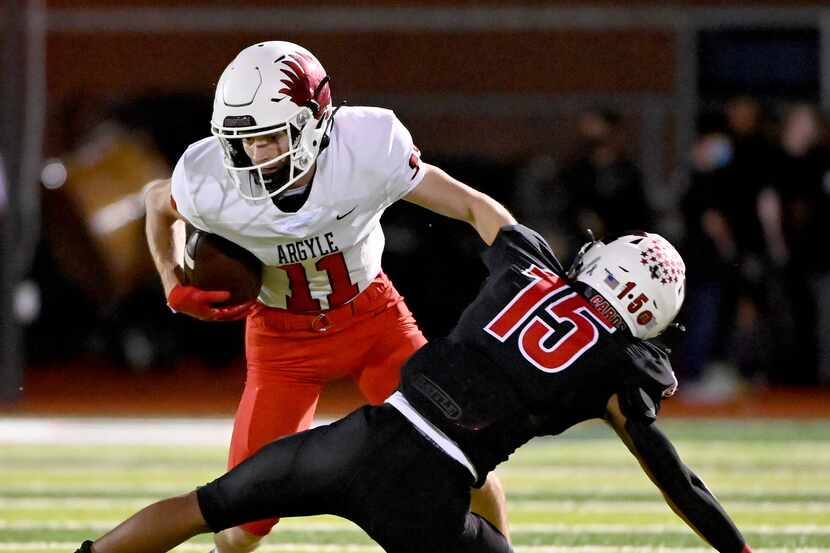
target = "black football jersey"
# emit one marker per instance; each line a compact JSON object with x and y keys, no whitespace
{"x":530,"y":356}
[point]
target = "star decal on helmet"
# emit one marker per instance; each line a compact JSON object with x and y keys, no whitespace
{"x":303,"y":76}
{"x":663,"y":265}
{"x":655,"y":271}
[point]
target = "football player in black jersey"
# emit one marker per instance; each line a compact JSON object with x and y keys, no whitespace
{"x":538,"y":351}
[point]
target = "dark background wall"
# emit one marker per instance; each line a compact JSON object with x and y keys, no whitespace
{"x":492,"y":93}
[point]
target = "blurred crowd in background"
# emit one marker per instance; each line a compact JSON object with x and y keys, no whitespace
{"x":751,"y":217}
{"x":756,"y":214}
{"x":610,"y":119}
{"x":750,"y":214}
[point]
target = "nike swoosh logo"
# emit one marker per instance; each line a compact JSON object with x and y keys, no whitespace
{"x":339,"y":217}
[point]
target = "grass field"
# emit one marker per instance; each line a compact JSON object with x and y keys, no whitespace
{"x":579,"y":492}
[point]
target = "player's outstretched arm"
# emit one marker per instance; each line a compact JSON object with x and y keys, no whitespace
{"x":159,"y":229}
{"x":685,"y":493}
{"x":447,"y":196}
{"x":200,"y":304}
{"x":154,"y":529}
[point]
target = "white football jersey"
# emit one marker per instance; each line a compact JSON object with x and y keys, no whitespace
{"x":326,"y":253}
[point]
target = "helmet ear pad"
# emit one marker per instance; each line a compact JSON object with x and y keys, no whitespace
{"x":314,"y":103}
{"x":309,"y":138}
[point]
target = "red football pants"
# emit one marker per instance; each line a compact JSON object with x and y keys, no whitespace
{"x":291,"y":356}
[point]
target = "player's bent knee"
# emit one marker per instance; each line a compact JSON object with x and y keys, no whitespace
{"x":479,"y":536}
{"x":236,"y":540}
{"x":489,"y":502}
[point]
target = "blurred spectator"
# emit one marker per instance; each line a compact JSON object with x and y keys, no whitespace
{"x":601,"y":188}
{"x":795,"y":213}
{"x":93,"y":260}
{"x":749,"y":341}
{"x":748,"y":173}
{"x":724,"y":242}
{"x":100,"y":291}
{"x":710,"y":248}
{"x":757,"y":212}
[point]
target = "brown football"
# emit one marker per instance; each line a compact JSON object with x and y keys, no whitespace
{"x":215,"y":263}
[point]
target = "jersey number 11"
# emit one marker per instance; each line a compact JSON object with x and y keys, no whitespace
{"x":342,"y":287}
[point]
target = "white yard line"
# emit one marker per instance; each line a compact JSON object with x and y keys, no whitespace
{"x":99,"y":431}
{"x":128,"y":431}
{"x":346,"y":526}
{"x":338,"y":548}
{"x":518,"y":505}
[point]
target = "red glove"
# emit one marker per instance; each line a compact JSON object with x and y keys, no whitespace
{"x":201,"y":304}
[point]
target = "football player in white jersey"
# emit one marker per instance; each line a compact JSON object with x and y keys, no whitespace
{"x":303,"y":186}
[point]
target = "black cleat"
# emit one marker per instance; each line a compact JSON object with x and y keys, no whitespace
{"x":86,"y":547}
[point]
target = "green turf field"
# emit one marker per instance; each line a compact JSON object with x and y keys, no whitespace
{"x":579,"y":492}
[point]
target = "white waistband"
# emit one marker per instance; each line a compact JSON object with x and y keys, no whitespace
{"x":441,"y":440}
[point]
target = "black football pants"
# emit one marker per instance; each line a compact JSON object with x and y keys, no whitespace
{"x":373,"y":468}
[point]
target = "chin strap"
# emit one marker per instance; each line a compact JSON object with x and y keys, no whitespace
{"x":313,"y":104}
{"x":591,"y":235}
{"x":670,"y":338}
{"x":324,"y":142}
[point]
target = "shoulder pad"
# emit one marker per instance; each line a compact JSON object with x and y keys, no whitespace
{"x":526,"y":243}
{"x":647,"y":380}
{"x":652,"y":367}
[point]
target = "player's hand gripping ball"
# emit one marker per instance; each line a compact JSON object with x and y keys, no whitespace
{"x":220,"y":280}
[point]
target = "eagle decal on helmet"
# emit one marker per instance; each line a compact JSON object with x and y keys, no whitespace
{"x":305,"y":82}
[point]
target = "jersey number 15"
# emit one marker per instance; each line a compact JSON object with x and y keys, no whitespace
{"x":522,"y":315}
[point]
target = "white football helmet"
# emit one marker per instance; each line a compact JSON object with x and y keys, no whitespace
{"x":640,"y":275}
{"x":272,"y":87}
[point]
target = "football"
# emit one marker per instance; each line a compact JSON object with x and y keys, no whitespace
{"x":215,"y":263}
